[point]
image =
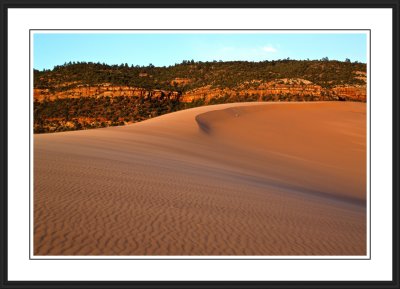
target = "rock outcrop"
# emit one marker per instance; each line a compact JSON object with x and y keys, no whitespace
{"x":104,"y":91}
{"x":289,"y":88}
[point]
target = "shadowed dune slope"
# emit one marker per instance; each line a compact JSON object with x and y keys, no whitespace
{"x":231,"y":179}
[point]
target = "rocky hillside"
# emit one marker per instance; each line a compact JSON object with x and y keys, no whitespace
{"x":88,"y":95}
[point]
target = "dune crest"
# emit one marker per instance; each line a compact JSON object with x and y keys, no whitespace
{"x":231,"y":179}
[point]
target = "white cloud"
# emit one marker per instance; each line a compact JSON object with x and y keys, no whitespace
{"x":232,"y":53}
{"x":269,"y":48}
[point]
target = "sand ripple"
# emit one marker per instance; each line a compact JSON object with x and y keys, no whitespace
{"x":234,"y":179}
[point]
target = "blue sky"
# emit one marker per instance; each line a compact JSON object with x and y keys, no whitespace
{"x":164,"y":49}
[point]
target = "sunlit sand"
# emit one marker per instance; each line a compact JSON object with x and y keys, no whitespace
{"x":231,"y":179}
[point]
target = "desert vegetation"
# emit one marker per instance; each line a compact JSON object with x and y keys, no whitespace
{"x":83,"y":95}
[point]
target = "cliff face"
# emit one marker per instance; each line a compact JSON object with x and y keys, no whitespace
{"x":291,"y":89}
{"x":351,"y":92}
{"x":316,"y":92}
{"x":103,"y":91}
{"x":87,"y":95}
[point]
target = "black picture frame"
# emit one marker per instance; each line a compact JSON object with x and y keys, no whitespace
{"x":5,"y":5}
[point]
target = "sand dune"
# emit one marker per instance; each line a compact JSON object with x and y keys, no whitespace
{"x":231,"y":179}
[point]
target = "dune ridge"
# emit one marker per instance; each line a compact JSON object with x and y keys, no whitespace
{"x":231,"y":179}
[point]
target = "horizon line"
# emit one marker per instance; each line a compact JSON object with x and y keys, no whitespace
{"x":191,"y":61}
